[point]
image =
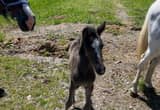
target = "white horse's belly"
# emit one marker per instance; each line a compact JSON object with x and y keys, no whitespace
{"x":154,"y":27}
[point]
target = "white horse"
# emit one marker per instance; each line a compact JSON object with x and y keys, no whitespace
{"x":148,"y":47}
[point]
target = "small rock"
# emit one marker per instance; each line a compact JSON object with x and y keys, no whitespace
{"x":130,"y":107}
{"x":46,"y":81}
{"x":118,"y":62}
{"x":29,"y":97}
{"x":107,"y":91}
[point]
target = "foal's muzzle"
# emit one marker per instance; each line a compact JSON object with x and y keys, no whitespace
{"x":100,"y":69}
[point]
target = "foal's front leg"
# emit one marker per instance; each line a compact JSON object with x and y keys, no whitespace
{"x":71,"y":98}
{"x":88,"y":94}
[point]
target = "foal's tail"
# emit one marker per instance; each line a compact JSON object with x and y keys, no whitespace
{"x":142,"y":42}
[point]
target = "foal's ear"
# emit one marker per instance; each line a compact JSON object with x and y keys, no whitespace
{"x":85,"y":32}
{"x":101,"y":28}
{"x":82,"y":39}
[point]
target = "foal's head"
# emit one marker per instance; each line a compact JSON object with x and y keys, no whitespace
{"x":91,"y":46}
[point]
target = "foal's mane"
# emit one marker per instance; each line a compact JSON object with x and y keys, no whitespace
{"x":78,"y":42}
{"x":85,"y":33}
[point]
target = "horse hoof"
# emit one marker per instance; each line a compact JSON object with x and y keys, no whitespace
{"x":134,"y":95}
{"x":88,"y":108}
{"x":76,"y":108}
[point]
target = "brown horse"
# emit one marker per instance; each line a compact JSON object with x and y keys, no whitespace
{"x":21,"y":12}
{"x":85,"y":61}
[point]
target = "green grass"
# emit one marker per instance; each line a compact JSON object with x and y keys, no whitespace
{"x":31,"y":86}
{"x":137,"y":9}
{"x":3,"y":22}
{"x":86,"y":11}
{"x":2,"y":37}
{"x":7,"y":22}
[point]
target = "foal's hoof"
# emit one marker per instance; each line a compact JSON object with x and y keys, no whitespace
{"x":2,"y":92}
{"x":76,"y":108}
{"x":88,"y":108}
{"x":134,"y":95}
{"x":149,"y":90}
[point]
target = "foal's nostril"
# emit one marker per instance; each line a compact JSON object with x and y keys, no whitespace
{"x":101,"y":70}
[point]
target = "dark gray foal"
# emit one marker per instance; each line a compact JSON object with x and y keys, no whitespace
{"x":85,"y":60}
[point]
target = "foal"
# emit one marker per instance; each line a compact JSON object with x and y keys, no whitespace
{"x":85,"y":60}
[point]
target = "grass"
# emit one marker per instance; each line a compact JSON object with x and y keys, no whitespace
{"x":137,"y":9}
{"x":86,"y":11}
{"x":2,"y":37}
{"x":60,"y":11}
{"x":3,"y":22}
{"x":30,"y":85}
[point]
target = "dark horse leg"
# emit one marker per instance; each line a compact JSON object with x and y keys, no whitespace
{"x":88,"y":93}
{"x":71,"y":98}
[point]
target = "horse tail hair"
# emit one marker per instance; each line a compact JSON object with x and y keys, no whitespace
{"x":142,"y":42}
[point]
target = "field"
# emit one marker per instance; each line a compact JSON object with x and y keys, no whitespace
{"x":37,"y":78}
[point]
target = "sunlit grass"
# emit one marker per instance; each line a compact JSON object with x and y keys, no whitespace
{"x":86,"y":11}
{"x":31,"y":86}
{"x":137,"y":9}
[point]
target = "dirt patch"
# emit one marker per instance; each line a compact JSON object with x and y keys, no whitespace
{"x":49,"y":41}
{"x":122,"y":14}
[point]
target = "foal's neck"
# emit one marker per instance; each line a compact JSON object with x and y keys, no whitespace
{"x":83,"y":56}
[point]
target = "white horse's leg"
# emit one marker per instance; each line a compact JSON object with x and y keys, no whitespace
{"x":143,"y":62}
{"x":135,"y":83}
{"x":148,"y":77}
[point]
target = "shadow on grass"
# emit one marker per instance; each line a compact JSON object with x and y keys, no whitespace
{"x":151,"y":98}
{"x":2,"y":93}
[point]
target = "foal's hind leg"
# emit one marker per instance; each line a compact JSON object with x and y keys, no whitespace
{"x":148,"y":77}
{"x":88,"y":94}
{"x":71,"y":98}
{"x":143,"y":62}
